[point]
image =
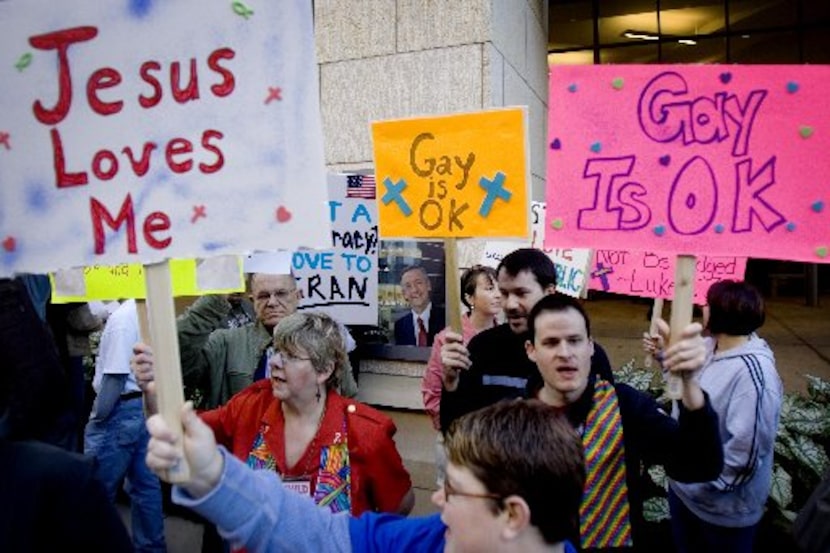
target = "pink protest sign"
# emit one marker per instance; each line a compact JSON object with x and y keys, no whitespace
{"x":651,"y":274}
{"x":700,"y":160}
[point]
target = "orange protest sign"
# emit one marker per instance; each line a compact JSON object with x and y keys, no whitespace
{"x":453,"y":176}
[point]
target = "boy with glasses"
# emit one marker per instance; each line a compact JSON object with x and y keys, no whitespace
{"x":514,"y":483}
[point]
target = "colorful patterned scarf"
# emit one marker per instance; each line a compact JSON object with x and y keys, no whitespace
{"x":260,"y":458}
{"x":334,"y":474}
{"x":334,"y":479}
{"x":604,"y":516}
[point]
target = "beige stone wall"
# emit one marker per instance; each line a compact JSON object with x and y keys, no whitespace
{"x":382,"y":59}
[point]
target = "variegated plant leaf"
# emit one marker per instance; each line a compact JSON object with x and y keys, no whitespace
{"x":658,"y":476}
{"x":809,"y":418}
{"x":818,"y":389}
{"x":810,"y":454}
{"x":627,"y":367}
{"x":783,"y":444}
{"x":782,"y":487}
{"x":789,"y":515}
{"x":656,"y":509}
{"x":640,"y":379}
{"x":789,"y":403}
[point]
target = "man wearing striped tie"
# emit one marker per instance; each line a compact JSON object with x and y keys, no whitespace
{"x":620,"y":426}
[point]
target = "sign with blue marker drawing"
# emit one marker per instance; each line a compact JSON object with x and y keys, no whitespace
{"x":451,"y":176}
{"x":138,"y":131}
{"x":343,"y":280}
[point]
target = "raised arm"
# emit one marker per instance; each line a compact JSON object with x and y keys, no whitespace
{"x":194,"y":327}
{"x":251,"y":508}
{"x":686,"y":358}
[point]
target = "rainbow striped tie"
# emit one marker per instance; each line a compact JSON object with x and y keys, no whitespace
{"x":604,"y":516}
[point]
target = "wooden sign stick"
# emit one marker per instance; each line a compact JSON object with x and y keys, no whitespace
{"x":452,"y":284}
{"x":168,"y":374}
{"x":150,"y":404}
{"x":681,"y":313}
{"x":656,"y":315}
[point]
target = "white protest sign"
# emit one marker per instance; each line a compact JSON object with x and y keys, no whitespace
{"x":343,"y":281}
{"x":273,"y":263}
{"x":142,"y":131}
{"x":571,"y":263}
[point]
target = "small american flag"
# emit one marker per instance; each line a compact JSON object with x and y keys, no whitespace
{"x":360,"y":186}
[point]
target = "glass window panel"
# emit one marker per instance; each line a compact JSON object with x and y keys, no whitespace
{"x":817,"y":46}
{"x":578,"y":57}
{"x":571,"y":25}
{"x":746,"y":15}
{"x":764,"y":48}
{"x":816,"y":10}
{"x":627,"y":21}
{"x":709,"y":50}
{"x":646,"y":53}
{"x":690,"y":18}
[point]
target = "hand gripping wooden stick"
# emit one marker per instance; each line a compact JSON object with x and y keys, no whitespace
{"x":168,"y":374}
{"x":656,"y":315}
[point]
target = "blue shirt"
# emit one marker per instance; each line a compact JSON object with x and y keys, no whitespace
{"x":379,"y":533}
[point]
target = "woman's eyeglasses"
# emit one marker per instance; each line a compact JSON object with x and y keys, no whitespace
{"x":282,"y":358}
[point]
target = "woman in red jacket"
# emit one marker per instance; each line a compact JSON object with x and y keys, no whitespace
{"x":336,"y":450}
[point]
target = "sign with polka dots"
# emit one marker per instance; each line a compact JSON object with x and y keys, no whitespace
{"x":717,"y":160}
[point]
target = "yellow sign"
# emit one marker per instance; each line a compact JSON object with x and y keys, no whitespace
{"x":110,"y":282}
{"x":453,"y":176}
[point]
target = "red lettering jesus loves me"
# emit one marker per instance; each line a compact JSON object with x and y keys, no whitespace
{"x":105,"y":164}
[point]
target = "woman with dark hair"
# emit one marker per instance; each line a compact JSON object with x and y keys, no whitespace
{"x":480,"y":294}
{"x":745,"y":390}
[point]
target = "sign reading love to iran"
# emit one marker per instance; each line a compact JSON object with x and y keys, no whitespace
{"x":343,"y":279}
{"x":453,"y":176}
{"x":710,"y":160}
{"x":141,"y":131}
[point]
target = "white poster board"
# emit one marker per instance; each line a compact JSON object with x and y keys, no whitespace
{"x":142,"y":131}
{"x":571,"y":263}
{"x":343,"y":280}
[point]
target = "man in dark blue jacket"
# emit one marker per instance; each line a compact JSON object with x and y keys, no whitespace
{"x":420,"y":325}
{"x":621,"y":427}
